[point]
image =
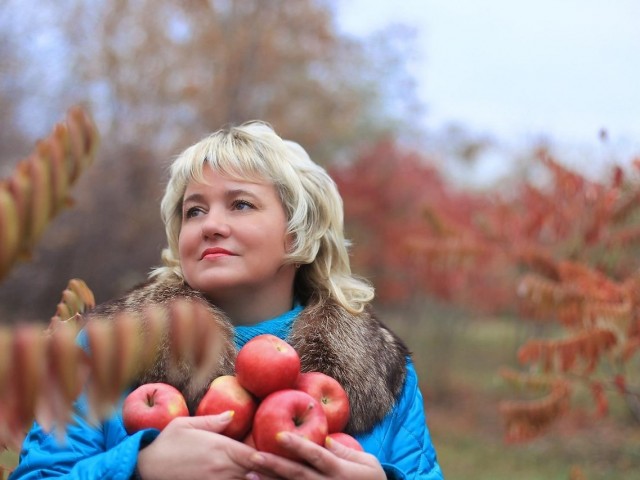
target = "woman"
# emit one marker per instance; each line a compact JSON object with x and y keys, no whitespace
{"x":255,"y":233}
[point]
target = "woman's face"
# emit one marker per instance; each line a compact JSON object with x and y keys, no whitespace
{"x":233,"y":240}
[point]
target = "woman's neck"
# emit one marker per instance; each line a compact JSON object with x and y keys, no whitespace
{"x":251,"y":309}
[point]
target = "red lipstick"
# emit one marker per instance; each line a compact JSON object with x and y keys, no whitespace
{"x":215,"y":252}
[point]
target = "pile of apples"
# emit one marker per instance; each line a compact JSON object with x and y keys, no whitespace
{"x":268,"y":394}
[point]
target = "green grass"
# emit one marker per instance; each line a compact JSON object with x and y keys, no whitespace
{"x":8,"y":459}
{"x":466,"y":457}
{"x":600,"y":454}
{"x":457,"y":359}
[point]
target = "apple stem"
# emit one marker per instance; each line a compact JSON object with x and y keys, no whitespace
{"x":150,"y":398}
{"x":299,"y":419}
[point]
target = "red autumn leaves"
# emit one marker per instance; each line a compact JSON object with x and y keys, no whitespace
{"x":39,"y":187}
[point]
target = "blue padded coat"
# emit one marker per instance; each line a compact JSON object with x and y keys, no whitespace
{"x":401,"y":441}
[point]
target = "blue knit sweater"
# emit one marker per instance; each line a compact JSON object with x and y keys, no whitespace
{"x":279,"y":326}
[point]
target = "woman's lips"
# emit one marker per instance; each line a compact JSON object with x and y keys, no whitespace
{"x":215,"y":252}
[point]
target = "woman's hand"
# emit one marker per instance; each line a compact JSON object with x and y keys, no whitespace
{"x":192,"y":447}
{"x":335,"y":461}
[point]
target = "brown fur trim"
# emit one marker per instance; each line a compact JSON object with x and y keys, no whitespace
{"x":164,"y":370}
{"x":359,"y":351}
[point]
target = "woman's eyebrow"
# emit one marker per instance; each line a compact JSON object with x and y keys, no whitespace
{"x":239,"y":192}
{"x":194,"y":197}
{"x":197,"y":197}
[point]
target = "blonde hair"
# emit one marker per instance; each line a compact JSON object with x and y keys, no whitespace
{"x":313,"y":206}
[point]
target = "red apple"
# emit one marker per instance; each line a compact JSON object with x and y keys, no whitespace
{"x":266,"y":364}
{"x":248,"y":440}
{"x":346,"y":440}
{"x":225,"y":393}
{"x":288,"y":411}
{"x":328,"y":391}
{"x":152,"y":405}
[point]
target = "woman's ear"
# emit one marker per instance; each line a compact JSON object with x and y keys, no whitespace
{"x":289,"y":241}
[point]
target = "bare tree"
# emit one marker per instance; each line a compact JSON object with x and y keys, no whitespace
{"x":158,"y":75}
{"x":170,"y":72}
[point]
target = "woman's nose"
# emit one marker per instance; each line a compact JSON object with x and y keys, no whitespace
{"x":215,"y":223}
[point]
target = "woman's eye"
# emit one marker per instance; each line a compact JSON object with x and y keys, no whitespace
{"x":192,"y":212}
{"x":243,"y":205}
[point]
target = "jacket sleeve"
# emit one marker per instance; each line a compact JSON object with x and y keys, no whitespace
{"x":83,"y":452}
{"x":402,"y":441}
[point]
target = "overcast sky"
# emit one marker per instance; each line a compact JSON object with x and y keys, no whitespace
{"x":562,"y":68}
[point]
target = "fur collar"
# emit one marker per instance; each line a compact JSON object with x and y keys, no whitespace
{"x":357,"y":350}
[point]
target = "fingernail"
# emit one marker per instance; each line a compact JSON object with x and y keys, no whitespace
{"x":227,"y":416}
{"x":252,"y":476}
{"x":257,"y":458}
{"x":328,"y":442}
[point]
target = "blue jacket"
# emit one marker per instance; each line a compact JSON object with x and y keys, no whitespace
{"x":401,"y":441}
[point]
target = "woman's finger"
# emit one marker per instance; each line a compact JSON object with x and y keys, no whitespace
{"x":210,"y":423}
{"x":344,"y":452}
{"x":315,"y":459}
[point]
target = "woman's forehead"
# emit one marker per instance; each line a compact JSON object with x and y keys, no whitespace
{"x":236,"y":170}
{"x":228,"y":182}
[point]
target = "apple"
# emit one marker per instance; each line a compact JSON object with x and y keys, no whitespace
{"x":346,"y":440}
{"x":225,"y":393}
{"x":288,"y":411}
{"x":248,"y":440}
{"x":266,"y":364}
{"x":332,"y":397}
{"x":152,"y":405}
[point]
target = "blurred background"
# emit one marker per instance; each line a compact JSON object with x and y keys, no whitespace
{"x":430,"y":115}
